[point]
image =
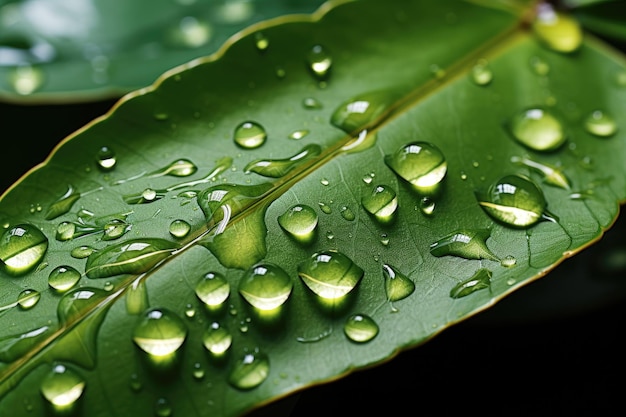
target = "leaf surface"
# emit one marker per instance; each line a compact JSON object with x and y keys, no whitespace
{"x":401,"y":75}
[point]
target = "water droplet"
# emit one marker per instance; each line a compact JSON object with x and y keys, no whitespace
{"x":330,"y":274}
{"x":13,"y":347}
{"x":556,"y":30}
{"x":179,"y":168}
{"x":62,"y":205}
{"x":601,"y":124}
{"x":382,"y":203}
{"x":320,"y":62}
{"x":106,"y":158}
{"x":514,"y":200}
{"x":481,"y":73}
{"x":213,"y":290}
{"x":160,"y":332}
{"x":115,"y":229}
{"x":467,"y":243}
{"x":311,"y":103}
{"x":347,"y":213}
{"x":191,"y":33}
{"x":250,"y":370}
{"x":198,"y":371}
{"x":551,"y":174}
{"x":250,"y":135}
{"x":384,"y":239}
{"x":70,"y":230}
{"x":397,"y":285}
{"x":22,"y":248}
{"x":360,"y":328}
{"x":326,"y":209}
{"x":162,"y":408}
{"x":437,"y":72}
{"x":330,"y":235}
{"x":108,"y":286}
{"x":221,"y":165}
{"x":299,"y":221}
{"x":62,"y":387}
{"x":179,"y":228}
{"x":276,"y":168}
{"x":135,"y":383}
{"x":81,"y":252}
{"x":538,"y":129}
{"x":266,"y":286}
{"x":427,"y":205}
{"x":26,"y":79}
{"x":217,"y":339}
{"x":508,"y":261}
{"x":421,"y":164}
{"x":64,"y":277}
{"x":480,"y":280}
{"x":28,"y":298}
{"x":137,"y":297}
{"x":539,"y":66}
{"x":133,"y":256}
{"x":261,"y":42}
{"x":298,"y":134}
{"x":360,"y":112}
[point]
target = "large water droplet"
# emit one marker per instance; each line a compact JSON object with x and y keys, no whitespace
{"x":467,"y":243}
{"x":538,"y":129}
{"x":601,"y":124}
{"x":179,"y":168}
{"x":421,"y":164}
{"x":179,"y":228}
{"x":133,"y":256}
{"x":160,"y":332}
{"x":397,"y":285}
{"x":250,"y":135}
{"x":360,"y":112}
{"x":551,"y":174}
{"x":213,"y":290}
{"x":28,"y":298}
{"x":63,"y":277}
{"x":217,"y":339}
{"x":22,"y":247}
{"x":360,"y":328}
{"x":106,"y":158}
{"x":320,"y":62}
{"x":266,"y":286}
{"x":330,"y":274}
{"x":480,"y":280}
{"x":62,"y":387}
{"x":250,"y":370}
{"x":382,"y":203}
{"x":556,"y":30}
{"x":300,"y":222}
{"x":514,"y":200}
{"x":276,"y":168}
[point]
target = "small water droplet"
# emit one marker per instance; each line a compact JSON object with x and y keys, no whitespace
{"x":397,"y":285}
{"x":466,"y":243}
{"x":551,"y":174}
{"x":213,"y":289}
{"x":480,"y":280}
{"x":26,"y":79}
{"x":250,"y":370}
{"x":481,"y":73}
{"x":384,"y":239}
{"x":135,"y":383}
{"x":508,"y":261}
{"x":360,"y":328}
{"x":437,"y":72}
{"x":298,"y":134}
{"x":266,"y":286}
{"x":358,"y":113}
{"x":28,"y":298}
{"x":160,"y":332}
{"x":330,"y":274}
{"x":179,"y":228}
{"x":330,"y":235}
{"x":539,"y":66}
{"x":64,"y":277}
{"x":557,"y":31}
{"x":191,"y":33}
{"x":326,"y":209}
{"x":162,"y":408}
{"x":601,"y":124}
{"x":300,"y":222}
{"x":421,"y":164}
{"x":320,"y":62}
{"x":276,"y":168}
{"x":347,"y":213}
{"x":538,"y":129}
{"x":62,"y":387}
{"x":261,"y":42}
{"x":106,"y":158}
{"x":311,"y":103}
{"x":514,"y":200}
{"x":108,"y":286}
{"x":250,"y":135}
{"x":22,"y":248}
{"x":82,"y":252}
{"x":217,"y":339}
{"x":427,"y":205}
{"x":382,"y":203}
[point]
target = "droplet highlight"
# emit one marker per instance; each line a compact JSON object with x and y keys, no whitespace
{"x":22,"y":248}
{"x":421,"y":164}
{"x":600,"y":124}
{"x":217,"y":339}
{"x":213,"y":289}
{"x":360,"y":328}
{"x":300,"y":222}
{"x":160,"y":332}
{"x":250,"y":135}
{"x":320,"y":62}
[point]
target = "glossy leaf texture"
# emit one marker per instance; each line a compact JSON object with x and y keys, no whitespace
{"x":262,"y":221}
{"x":81,"y":50}
{"x":606,"y":18}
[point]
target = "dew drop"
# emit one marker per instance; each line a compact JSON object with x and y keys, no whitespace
{"x":480,"y":280}
{"x":298,"y":134}
{"x":537,"y":129}
{"x":160,"y":332}
{"x":22,"y":248}
{"x":64,"y":277}
{"x":539,"y":66}
{"x":508,"y":261}
{"x":162,"y":408}
{"x":320,"y":62}
{"x":26,"y":79}
{"x":135,"y":383}
{"x":28,"y":299}
{"x":213,"y":289}
{"x":330,"y":274}
{"x":198,"y":371}
{"x":62,"y":388}
{"x":179,"y":228}
{"x":421,"y":164}
{"x":481,"y":73}
{"x":300,"y":222}
{"x":467,"y":243}
{"x":360,"y":328}
{"x":347,"y":213}
{"x":311,"y":103}
{"x":557,"y":31}
{"x":191,"y":33}
{"x":261,"y":42}
{"x":250,"y":370}
{"x":397,"y":285}
{"x":382,"y":203}
{"x":250,"y":135}
{"x":179,"y":168}
{"x":106,"y":159}
{"x":115,"y":229}
{"x":217,"y":339}
{"x":358,"y":113}
{"x":266,"y":286}
{"x":600,"y":124}
{"x":82,"y":252}
{"x":514,"y":200}
{"x":276,"y":168}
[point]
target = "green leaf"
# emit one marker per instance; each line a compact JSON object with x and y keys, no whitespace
{"x":69,"y":51}
{"x":413,"y":255}
{"x":605,"y":18}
